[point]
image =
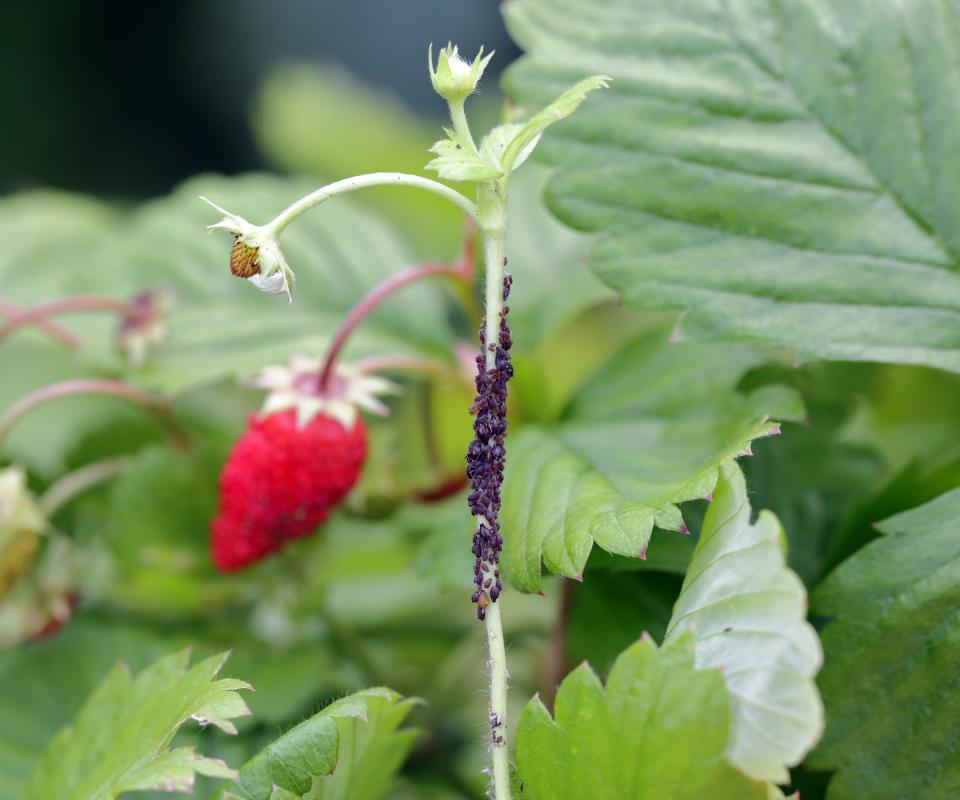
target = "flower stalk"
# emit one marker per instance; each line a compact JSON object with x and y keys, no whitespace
{"x":324,"y":193}
{"x":485,"y":468}
{"x":461,"y":272}
{"x":105,"y":386}
{"x":488,"y":167}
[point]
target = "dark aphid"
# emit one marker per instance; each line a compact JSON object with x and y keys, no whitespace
{"x":485,"y":460}
{"x":244,"y":260}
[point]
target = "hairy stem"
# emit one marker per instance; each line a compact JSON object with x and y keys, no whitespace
{"x":40,"y":313}
{"x":105,"y":386}
{"x":459,"y":119}
{"x":324,"y":193}
{"x":493,"y":228}
{"x":78,"y":481}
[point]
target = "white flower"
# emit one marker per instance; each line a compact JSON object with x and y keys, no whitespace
{"x":455,"y":79}
{"x":256,"y":254}
{"x":297,"y":387}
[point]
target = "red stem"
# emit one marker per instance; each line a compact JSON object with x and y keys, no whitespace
{"x":40,"y":313}
{"x":462,"y":271}
{"x":49,"y":327}
{"x":90,"y":386}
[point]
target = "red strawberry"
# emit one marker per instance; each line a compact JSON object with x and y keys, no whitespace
{"x":281,"y":481}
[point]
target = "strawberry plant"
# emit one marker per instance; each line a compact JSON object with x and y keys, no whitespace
{"x":647,"y":493}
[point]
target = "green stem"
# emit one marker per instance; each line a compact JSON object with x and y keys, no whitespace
{"x":75,"y":483}
{"x":460,"y":125}
{"x":324,"y":193}
{"x":492,"y":203}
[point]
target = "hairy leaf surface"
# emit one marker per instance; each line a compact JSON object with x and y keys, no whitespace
{"x":748,"y":614}
{"x":890,"y":682}
{"x":350,"y":750}
{"x":785,"y":172}
{"x":120,"y":738}
{"x":646,"y":432}
{"x":658,"y":729}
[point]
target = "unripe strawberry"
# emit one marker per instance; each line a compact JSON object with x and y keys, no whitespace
{"x":281,"y":481}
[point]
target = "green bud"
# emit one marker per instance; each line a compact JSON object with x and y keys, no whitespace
{"x":454,"y":79}
{"x":21,"y":524}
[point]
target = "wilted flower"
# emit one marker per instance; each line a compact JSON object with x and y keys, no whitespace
{"x":146,"y":325}
{"x":454,"y":79}
{"x":256,"y":254}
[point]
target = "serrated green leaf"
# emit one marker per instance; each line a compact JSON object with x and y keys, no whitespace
{"x":748,"y":615}
{"x":658,"y":730}
{"x":495,"y":143}
{"x":350,"y":750}
{"x":647,"y":432}
{"x":785,"y":172}
{"x":458,"y":160}
{"x":526,"y":137}
{"x":890,"y":677}
{"x":120,"y":736}
{"x":46,"y":683}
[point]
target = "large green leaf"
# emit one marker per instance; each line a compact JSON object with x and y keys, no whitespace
{"x":120,"y":738}
{"x":348,"y":751}
{"x":647,"y":432}
{"x":786,"y":172}
{"x":658,"y":730}
{"x":748,"y":614}
{"x":44,"y":685}
{"x":890,"y":683}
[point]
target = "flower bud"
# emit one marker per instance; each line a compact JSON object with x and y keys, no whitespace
{"x":454,"y":79}
{"x":21,"y":524}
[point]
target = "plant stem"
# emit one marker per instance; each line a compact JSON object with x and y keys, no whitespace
{"x":460,"y":125}
{"x":88,"y":386}
{"x":48,"y":326}
{"x":377,"y":295}
{"x":40,"y":313}
{"x":73,"y":483}
{"x":492,"y":205}
{"x":324,"y":193}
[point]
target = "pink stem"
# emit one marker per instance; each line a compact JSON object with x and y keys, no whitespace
{"x":87,"y":386}
{"x":65,"y":305}
{"x":49,"y":327}
{"x":462,"y":271}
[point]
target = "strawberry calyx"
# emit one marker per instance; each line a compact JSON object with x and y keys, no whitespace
{"x":298,"y":387}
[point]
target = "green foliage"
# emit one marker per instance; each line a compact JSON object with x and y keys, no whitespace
{"x":506,"y":147}
{"x":764,"y":164}
{"x":647,"y":431}
{"x":120,"y":739}
{"x":659,"y":729}
{"x":219,"y":328}
{"x":48,"y":682}
{"x":889,"y":682}
{"x":781,"y":174}
{"x":348,"y":751}
{"x":748,"y":614}
{"x":526,"y":137}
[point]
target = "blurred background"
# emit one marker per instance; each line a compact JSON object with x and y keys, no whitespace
{"x":129,"y":99}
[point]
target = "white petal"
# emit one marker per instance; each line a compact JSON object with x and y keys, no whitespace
{"x":271,"y":284}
